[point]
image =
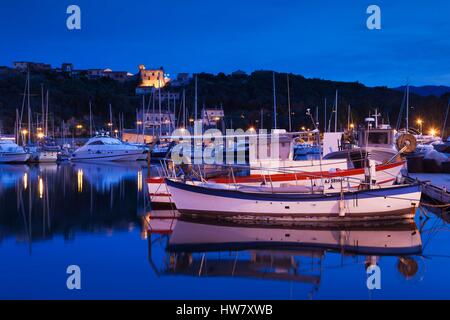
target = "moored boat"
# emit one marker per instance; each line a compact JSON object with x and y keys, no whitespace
{"x":295,"y":203}
{"x":10,"y":152}
{"x":105,"y":148}
{"x":386,"y":174}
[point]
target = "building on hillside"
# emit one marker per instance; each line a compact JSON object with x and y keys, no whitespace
{"x":31,"y":66}
{"x":120,"y":76}
{"x":150,"y":126}
{"x":152,"y":78}
{"x":212,"y":117}
{"x":95,"y":73}
{"x":67,"y":68}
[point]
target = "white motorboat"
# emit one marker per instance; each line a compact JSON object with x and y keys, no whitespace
{"x":11,"y":152}
{"x":297,"y":203}
{"x":40,"y":155}
{"x":106,"y":148}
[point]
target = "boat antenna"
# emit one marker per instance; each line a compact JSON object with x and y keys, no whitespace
{"x":289,"y":102}
{"x":274,"y":102}
{"x":336,"y":111}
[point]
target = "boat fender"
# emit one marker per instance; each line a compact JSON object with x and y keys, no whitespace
{"x":342,"y":208}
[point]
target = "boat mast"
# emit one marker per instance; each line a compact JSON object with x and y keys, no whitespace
{"x":110,"y":116}
{"x":289,"y":103}
{"x":46,"y":114}
{"x":29,"y":107}
{"x":274,"y":102}
{"x":196,"y":99}
{"x":184,"y":108}
{"x":143,"y":116}
{"x":348,"y":117}
{"x":42,"y":107}
{"x":159,"y":105}
{"x":407,"y":107}
{"x":262,"y":118}
{"x":336,"y":111}
{"x":445,"y":121}
{"x":325,"y":116}
{"x":90,"y":118}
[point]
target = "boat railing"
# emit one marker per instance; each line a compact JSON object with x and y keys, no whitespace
{"x":346,"y":182}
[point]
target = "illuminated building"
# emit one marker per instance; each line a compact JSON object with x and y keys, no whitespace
{"x":152,"y":78}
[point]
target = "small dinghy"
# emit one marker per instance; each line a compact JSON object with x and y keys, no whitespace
{"x":291,"y":203}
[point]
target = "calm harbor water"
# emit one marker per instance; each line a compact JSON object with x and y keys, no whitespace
{"x":97,"y":216}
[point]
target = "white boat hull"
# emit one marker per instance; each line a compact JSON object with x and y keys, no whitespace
{"x":108,"y":156}
{"x":386,"y":175}
{"x":386,"y":203}
{"x":14,"y":157}
{"x":44,"y":157}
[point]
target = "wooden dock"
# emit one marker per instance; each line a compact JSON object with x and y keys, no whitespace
{"x":434,"y":186}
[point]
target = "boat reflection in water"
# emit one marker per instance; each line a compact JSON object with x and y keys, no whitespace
{"x":296,"y":252}
{"x":41,"y":201}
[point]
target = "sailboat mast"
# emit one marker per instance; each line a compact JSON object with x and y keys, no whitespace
{"x":184,"y":108}
{"x":90,"y":118}
{"x":110,"y":117}
{"x":407,"y":107}
{"x":46,"y":114}
{"x":445,"y":120}
{"x":336,"y":111}
{"x":159,"y":105}
{"x":274,"y":102}
{"x":348,"y":117}
{"x":325,"y":116}
{"x":143,"y":116}
{"x":196,"y":100}
{"x":289,"y":103}
{"x":42,"y":108}
{"x":29,"y":107}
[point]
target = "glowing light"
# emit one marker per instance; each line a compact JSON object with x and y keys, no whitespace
{"x":41,"y":188}
{"x":24,"y":131}
{"x":433,"y":132}
{"x":303,"y":128}
{"x":251,"y":129}
{"x":191,"y":120}
{"x":79,"y":126}
{"x":216,"y":118}
{"x":139,"y":180}
{"x":39,"y":129}
{"x":80,"y":180}
{"x":116,"y":131}
{"x":419,"y":121}
{"x":352,"y":126}
{"x":139,"y":122}
{"x":109,"y":124}
{"x":40,"y":135}
{"x":25,"y":181}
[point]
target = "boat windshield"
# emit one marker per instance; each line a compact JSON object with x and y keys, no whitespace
{"x":104,"y":141}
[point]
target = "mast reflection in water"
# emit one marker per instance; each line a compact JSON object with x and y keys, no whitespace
{"x":97,"y":217}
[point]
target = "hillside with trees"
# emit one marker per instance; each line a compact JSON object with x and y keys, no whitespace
{"x":242,"y":97}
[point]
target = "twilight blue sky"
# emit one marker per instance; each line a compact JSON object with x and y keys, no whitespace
{"x":315,"y":38}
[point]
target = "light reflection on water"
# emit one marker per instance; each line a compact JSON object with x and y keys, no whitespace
{"x":97,"y":216}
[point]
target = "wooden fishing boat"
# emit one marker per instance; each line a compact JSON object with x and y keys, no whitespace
{"x":386,"y":174}
{"x":294,"y":202}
